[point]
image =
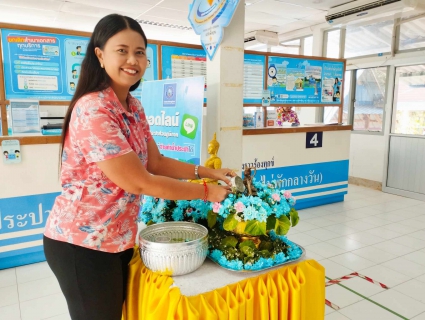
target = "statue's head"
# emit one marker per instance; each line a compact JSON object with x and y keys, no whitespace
{"x":213,"y":146}
{"x":247,"y":172}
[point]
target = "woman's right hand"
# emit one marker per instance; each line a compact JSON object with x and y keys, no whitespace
{"x":217,"y":193}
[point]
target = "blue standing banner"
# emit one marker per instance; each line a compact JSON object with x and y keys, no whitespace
{"x":174,"y":110}
{"x":305,"y":81}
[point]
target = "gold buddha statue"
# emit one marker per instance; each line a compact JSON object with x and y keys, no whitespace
{"x":213,"y":162}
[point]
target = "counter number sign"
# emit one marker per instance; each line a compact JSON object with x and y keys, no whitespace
{"x":314,"y":140}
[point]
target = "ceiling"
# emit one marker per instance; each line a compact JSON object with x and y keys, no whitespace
{"x":281,"y":16}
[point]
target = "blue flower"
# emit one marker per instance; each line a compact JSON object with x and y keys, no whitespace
{"x":177,"y":214}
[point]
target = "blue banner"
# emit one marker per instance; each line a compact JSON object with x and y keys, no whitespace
{"x":305,"y":81}
{"x":253,"y":84}
{"x":45,"y":66}
{"x":174,"y":109}
{"x":208,"y":19}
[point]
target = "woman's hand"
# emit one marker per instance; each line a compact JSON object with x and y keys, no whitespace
{"x":217,"y":193}
{"x":221,"y":174}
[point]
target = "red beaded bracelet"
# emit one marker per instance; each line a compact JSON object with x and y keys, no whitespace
{"x":206,"y":191}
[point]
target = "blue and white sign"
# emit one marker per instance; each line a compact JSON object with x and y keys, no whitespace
{"x":151,"y":72}
{"x":305,"y":81}
{"x":253,"y":82}
{"x":208,"y":19}
{"x":174,"y":109}
{"x":11,"y":151}
{"x":22,"y":223}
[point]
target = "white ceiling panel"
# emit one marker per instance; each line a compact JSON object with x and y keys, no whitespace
{"x":168,"y":13}
{"x":265,"y":18}
{"x":282,"y":9}
{"x":39,"y":4}
{"x":182,"y":5}
{"x":85,"y":10}
{"x":147,"y":17}
{"x":21,"y":14}
{"x":316,"y":4}
{"x":130,"y":6}
{"x":251,"y":26}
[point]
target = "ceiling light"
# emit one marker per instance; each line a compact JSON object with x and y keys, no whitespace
{"x":162,"y":24}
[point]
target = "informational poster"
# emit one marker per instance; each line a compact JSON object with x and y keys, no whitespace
{"x":41,"y":66}
{"x":178,"y":62}
{"x":209,"y":18}
{"x":253,"y":84}
{"x":151,"y":72}
{"x":174,"y":109}
{"x":25,"y":116}
{"x":11,"y":151}
{"x":304,"y":81}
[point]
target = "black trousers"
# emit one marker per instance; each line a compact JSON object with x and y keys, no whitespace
{"x":93,"y":282}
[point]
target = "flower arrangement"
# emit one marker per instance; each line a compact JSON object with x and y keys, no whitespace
{"x":245,"y":232}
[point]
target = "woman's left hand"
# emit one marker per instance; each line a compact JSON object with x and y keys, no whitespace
{"x":221,"y":174}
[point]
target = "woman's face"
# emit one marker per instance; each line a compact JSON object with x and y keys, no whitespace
{"x":124,"y":58}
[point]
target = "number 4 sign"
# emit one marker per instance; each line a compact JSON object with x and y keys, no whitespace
{"x":314,"y":140}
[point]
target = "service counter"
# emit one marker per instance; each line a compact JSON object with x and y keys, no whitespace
{"x":311,"y":161}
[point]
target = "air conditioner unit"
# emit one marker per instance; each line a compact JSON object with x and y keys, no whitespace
{"x":261,"y":37}
{"x":361,"y":9}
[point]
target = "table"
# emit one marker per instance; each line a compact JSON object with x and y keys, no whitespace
{"x":294,"y":291}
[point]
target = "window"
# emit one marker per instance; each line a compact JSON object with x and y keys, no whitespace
{"x":289,"y":47}
{"x":330,"y":114}
{"x":370,"y":99}
{"x":308,"y":46}
{"x":369,"y":39}
{"x":332,"y":44}
{"x":409,"y":100}
{"x":412,"y":34}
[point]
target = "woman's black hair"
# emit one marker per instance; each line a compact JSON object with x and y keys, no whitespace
{"x":5,"y":152}
{"x":92,"y":77}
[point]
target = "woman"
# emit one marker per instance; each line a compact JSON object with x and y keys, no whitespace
{"x":108,"y":160}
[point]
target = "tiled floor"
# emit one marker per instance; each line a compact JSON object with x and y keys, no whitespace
{"x":378,"y":235}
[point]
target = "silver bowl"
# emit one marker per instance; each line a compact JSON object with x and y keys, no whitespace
{"x":173,"y":248}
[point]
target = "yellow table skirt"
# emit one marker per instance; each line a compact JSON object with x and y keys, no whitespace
{"x":292,"y":292}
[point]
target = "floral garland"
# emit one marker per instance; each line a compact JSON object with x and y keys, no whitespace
{"x":245,"y":232}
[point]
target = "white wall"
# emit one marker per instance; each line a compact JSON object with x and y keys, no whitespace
{"x":367,"y":154}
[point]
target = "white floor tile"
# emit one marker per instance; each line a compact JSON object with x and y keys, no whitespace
{"x":312,"y":255}
{"x":388,"y":206}
{"x":33,"y":272}
{"x":11,"y":312}
{"x":341,"y":229}
{"x":321,"y":222}
{"x":339,"y":218}
{"x":413,"y":288}
{"x":366,"y":212}
{"x":384,"y":233}
{"x":328,"y":310}
{"x":7,"y":277}
{"x":336,"y":316}
{"x":421,"y":278}
{"x":60,"y":317}
{"x":346,"y":243}
{"x":9,"y":296}
{"x":400,"y":303}
{"x":352,"y":261}
{"x":305,"y":226}
{"x":394,"y":248}
{"x":400,"y":228}
{"x":341,"y":296}
{"x":365,"y":310}
{"x":418,"y":234}
{"x":362,"y":286}
{"x":414,"y":223}
{"x":393,"y":216}
{"x":324,"y":249}
{"x":374,"y":254}
{"x":43,"y":308}
{"x":375,"y":221}
{"x":385,"y":275}
{"x":416,"y":257}
{"x":38,"y":288}
{"x":405,"y":267}
{"x":366,"y":238}
{"x":358,"y":225}
{"x":304,"y":239}
{"x":410,"y":242}
{"x":420,"y":317}
{"x":323,"y":234}
{"x":334,"y":270}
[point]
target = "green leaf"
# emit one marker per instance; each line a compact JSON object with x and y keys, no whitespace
{"x":212,"y":219}
{"x":271,"y":223}
{"x":266,"y":245}
{"x":229,"y":241}
{"x":150,"y":222}
{"x":230,"y":223}
{"x":247,"y":243}
{"x":248,"y":251}
{"x":294,"y":217}
{"x":283,"y":225}
{"x":255,"y":228}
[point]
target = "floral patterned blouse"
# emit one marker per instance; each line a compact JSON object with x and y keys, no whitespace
{"x":92,"y":211}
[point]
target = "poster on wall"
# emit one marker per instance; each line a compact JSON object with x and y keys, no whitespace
{"x":179,"y":62}
{"x":25,"y":116}
{"x":174,"y":109}
{"x":304,"y":81}
{"x":11,"y":151}
{"x":253,"y":83}
{"x":41,"y":66}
